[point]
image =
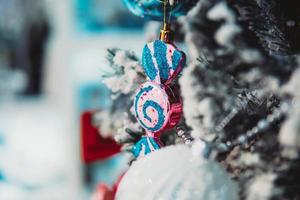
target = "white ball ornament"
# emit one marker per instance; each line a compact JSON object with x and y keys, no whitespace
{"x":175,"y":173}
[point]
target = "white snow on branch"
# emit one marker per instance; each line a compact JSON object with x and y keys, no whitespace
{"x":289,"y":136}
{"x":262,"y":187}
{"x":129,"y":78}
{"x":227,"y":31}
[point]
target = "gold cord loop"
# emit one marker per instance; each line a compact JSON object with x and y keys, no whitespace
{"x":166,"y":33}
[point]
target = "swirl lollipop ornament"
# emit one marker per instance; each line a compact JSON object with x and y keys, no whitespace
{"x":157,"y":103}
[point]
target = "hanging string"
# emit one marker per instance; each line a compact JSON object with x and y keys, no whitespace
{"x":166,"y":19}
{"x":170,"y":13}
{"x":166,"y":33}
{"x":165,"y":12}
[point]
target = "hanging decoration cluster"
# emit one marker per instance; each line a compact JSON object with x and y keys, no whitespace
{"x":157,"y":103}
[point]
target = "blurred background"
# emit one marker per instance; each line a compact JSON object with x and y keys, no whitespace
{"x":52,"y":54}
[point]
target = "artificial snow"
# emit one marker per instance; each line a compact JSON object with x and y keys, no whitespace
{"x":289,"y":135}
{"x":127,"y":76}
{"x":262,"y":187}
{"x":226,"y":32}
{"x":191,"y":102}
